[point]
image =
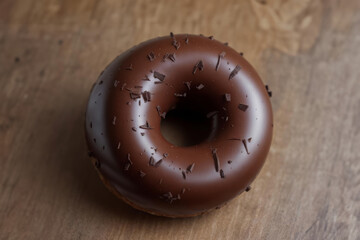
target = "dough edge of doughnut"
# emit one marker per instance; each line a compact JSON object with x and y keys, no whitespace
{"x":112,"y":190}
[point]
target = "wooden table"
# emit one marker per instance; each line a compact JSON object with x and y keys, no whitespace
{"x":307,"y":51}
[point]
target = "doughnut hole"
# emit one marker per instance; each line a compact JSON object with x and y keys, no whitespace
{"x":192,"y":121}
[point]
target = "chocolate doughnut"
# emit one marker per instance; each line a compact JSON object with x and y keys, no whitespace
{"x":131,"y":99}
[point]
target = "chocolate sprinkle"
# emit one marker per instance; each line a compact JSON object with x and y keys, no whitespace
{"x":130,"y":67}
{"x":222,"y":175}
{"x":248,"y":188}
{"x":129,"y":158}
{"x":142,"y":174}
{"x":211,"y":114}
{"x":198,"y":66}
{"x":127,"y":166}
{"x":171,"y":56}
{"x":165,"y":57}
{"x":249,"y":139}
{"x":154,"y":163}
{"x":116,"y":82}
{"x":159,"y":76}
{"x":134,"y":129}
{"x":114,"y":120}
{"x":165,"y":155}
{"x":234,"y":72}
{"x":146,"y":78}
{"x":134,"y":95}
{"x":200,"y":86}
{"x":268,"y":90}
{"x":188,"y":85}
{"x":186,"y":40}
{"x":128,"y":163}
{"x":190,"y":168}
{"x":176,"y":44}
{"x":216,"y":159}
{"x":119,"y":145}
{"x":211,"y":37}
{"x":158,"y":109}
{"x":147,"y":96}
{"x":167,"y":195}
{"x":151,"y":56}
{"x":183,"y":174}
{"x":145,"y":126}
{"x":180,"y":94}
{"x":201,"y":66}
{"x":163,"y":114}
{"x":123,"y":86}
{"x":221,"y":56}
{"x":245,"y":145}
{"x":183,"y":190}
{"x":243,"y":107}
{"x":227,"y":97}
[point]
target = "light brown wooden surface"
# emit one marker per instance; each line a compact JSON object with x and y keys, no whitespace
{"x":307,"y":51}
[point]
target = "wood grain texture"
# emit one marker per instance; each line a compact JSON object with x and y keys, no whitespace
{"x":51,"y":51}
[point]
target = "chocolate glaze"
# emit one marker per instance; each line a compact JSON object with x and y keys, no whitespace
{"x":123,"y":125}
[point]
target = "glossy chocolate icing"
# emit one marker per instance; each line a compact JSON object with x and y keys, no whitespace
{"x":135,"y":91}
